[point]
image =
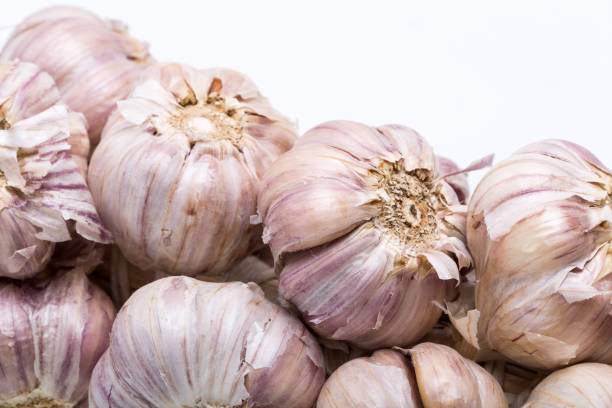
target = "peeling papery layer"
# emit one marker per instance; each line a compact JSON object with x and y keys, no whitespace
{"x":364,"y":235}
{"x":539,"y":231}
{"x":180,"y":161}
{"x":182,"y":342}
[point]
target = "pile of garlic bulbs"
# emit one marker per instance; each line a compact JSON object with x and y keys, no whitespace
{"x":168,"y":239}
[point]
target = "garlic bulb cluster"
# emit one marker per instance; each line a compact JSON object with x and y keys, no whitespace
{"x":437,"y":376}
{"x":52,"y":333}
{"x":539,"y":229}
{"x":586,"y":385}
{"x":175,"y":177}
{"x":365,"y":235}
{"x":94,"y":62}
{"x":180,"y":342}
{"x":43,"y":150}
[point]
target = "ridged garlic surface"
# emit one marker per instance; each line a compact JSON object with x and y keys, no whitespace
{"x":180,"y":342}
{"x":43,"y":151}
{"x":436,"y":377}
{"x":175,"y":177}
{"x":539,"y":230}
{"x":365,"y":235}
{"x":93,"y":61}
{"x":52,"y":333}
{"x":586,"y":385}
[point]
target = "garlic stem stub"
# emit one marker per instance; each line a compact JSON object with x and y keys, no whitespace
{"x":180,"y":342}
{"x":586,"y":385}
{"x":539,"y":230}
{"x":365,"y":236}
{"x":52,"y":333}
{"x":43,"y":195}
{"x":436,"y":376}
{"x":175,"y":177}
{"x":93,"y":61}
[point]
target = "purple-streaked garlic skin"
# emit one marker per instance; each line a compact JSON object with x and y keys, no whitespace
{"x":182,"y":342}
{"x":365,"y":237}
{"x":538,"y":227}
{"x":176,"y":174}
{"x":585,"y":385}
{"x":459,"y":182}
{"x":52,"y":333}
{"x":43,"y":150}
{"x":93,"y":61}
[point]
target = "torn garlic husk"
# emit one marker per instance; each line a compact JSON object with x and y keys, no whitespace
{"x":93,"y":61}
{"x":52,"y":333}
{"x":175,"y":177}
{"x":366,"y":238}
{"x":433,"y":376}
{"x":43,"y":195}
{"x":539,"y":230}
{"x":585,"y":385}
{"x":180,"y":342}
{"x":458,"y":180}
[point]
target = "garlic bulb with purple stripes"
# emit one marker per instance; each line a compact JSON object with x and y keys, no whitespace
{"x":365,"y":235}
{"x":175,"y":177}
{"x":52,"y":333}
{"x":93,"y":61}
{"x":539,"y":227}
{"x":43,"y":150}
{"x":435,"y":376}
{"x":180,"y":342}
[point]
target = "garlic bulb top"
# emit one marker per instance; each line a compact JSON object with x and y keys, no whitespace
{"x":93,"y":61}
{"x":52,"y":333}
{"x":437,"y":377}
{"x":366,"y":236}
{"x":180,"y":342}
{"x":176,"y":174}
{"x":42,"y":188}
{"x":539,"y":229}
{"x":586,"y":385}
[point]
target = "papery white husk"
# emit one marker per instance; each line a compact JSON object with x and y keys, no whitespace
{"x":42,"y":188}
{"x":539,"y":231}
{"x":437,"y":376}
{"x":586,"y":385}
{"x":176,"y":189}
{"x":52,"y":332}
{"x":182,"y":342}
{"x":351,"y":277}
{"x":93,"y":61}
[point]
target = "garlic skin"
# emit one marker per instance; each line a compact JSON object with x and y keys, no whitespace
{"x":94,"y":61}
{"x":182,"y":342}
{"x":586,"y":385}
{"x":458,"y":180}
{"x":42,"y":187}
{"x":175,"y":177}
{"x":437,"y":377}
{"x":52,"y":333}
{"x":538,"y":227}
{"x":364,"y":236}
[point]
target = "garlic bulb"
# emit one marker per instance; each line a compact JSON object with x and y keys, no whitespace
{"x":175,"y":177}
{"x":180,"y":342}
{"x":42,"y":189}
{"x":436,"y":377}
{"x":93,"y":61}
{"x":52,"y":333}
{"x":365,"y":236}
{"x":539,"y":229}
{"x":586,"y":385}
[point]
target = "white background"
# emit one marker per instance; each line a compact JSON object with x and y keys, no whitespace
{"x":473,"y":77}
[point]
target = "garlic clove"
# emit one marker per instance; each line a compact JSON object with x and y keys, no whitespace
{"x":586,"y":385}
{"x":176,"y":175}
{"x":182,"y":342}
{"x":52,"y":332}
{"x":538,"y":228}
{"x":93,"y":61}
